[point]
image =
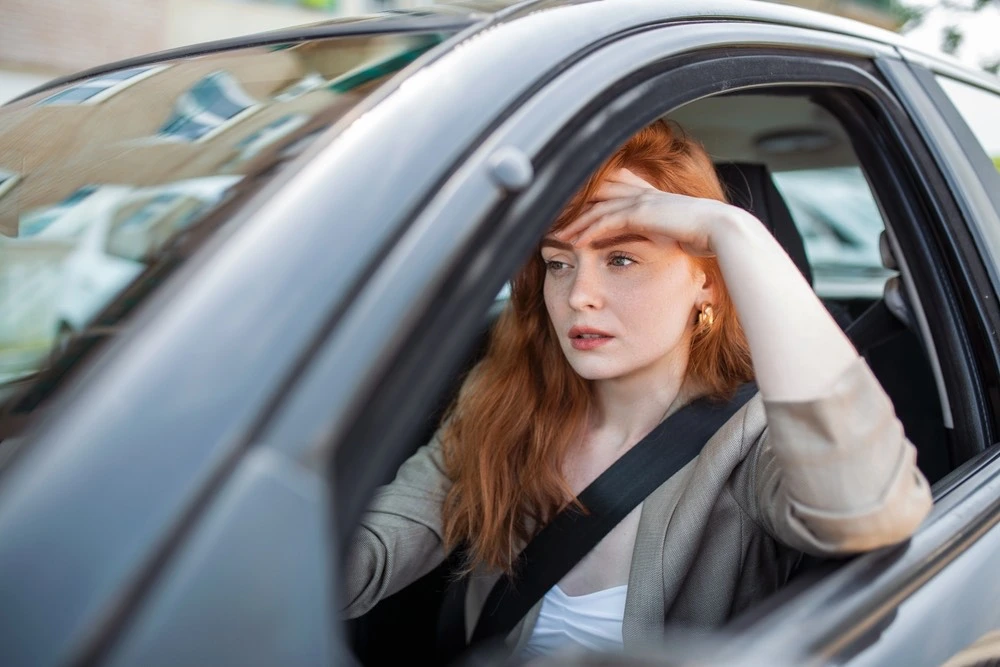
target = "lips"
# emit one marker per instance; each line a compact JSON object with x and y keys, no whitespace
{"x":588,"y":338}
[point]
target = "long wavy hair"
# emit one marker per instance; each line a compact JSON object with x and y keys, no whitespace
{"x":523,"y":406}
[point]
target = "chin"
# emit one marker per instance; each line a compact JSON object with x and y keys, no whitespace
{"x":596,"y":369}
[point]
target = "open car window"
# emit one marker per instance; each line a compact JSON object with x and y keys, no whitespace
{"x":840,"y":223}
{"x":108,"y":182}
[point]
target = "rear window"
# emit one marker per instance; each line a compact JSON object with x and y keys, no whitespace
{"x":107,"y":183}
{"x":836,"y":213}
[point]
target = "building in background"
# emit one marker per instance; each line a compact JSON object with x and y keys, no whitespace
{"x":42,"y":40}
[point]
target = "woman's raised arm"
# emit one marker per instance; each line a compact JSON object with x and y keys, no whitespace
{"x":834,"y":472}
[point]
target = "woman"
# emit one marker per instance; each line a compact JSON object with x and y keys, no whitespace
{"x":648,"y":292}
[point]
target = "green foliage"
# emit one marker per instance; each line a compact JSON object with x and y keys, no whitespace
{"x":909,"y":16}
{"x":951,"y":36}
{"x":996,"y":162}
{"x":951,"y":39}
{"x":319,"y":4}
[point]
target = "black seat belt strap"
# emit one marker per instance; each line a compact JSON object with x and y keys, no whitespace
{"x":873,"y":327}
{"x":571,"y":534}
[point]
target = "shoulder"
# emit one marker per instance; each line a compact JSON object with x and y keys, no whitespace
{"x":732,"y":443}
{"x":741,"y":432}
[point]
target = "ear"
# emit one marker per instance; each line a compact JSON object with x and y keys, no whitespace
{"x":706,"y":287}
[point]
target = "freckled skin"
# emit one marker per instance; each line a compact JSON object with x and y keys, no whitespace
{"x":643,"y":293}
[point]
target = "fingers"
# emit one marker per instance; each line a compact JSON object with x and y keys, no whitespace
{"x":616,"y":190}
{"x":628,"y":177}
{"x":614,"y":222}
{"x":616,"y":201}
{"x":622,"y":183}
{"x":573,"y":230}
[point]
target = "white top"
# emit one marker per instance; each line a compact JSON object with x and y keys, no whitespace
{"x":593,"y":621}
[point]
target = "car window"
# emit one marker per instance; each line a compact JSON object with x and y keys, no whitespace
{"x":811,"y":161}
{"x":114,"y":177}
{"x":980,"y":110}
{"x":840,"y":224}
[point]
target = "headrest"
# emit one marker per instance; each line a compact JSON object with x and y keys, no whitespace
{"x":750,"y":187}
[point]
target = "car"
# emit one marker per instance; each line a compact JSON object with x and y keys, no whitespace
{"x":319,"y":224}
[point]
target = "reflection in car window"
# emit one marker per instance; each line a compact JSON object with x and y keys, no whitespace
{"x":211,"y":103}
{"x":840,"y":224}
{"x":8,"y":179}
{"x":99,"y":88}
{"x":980,"y":110}
{"x":99,"y":179}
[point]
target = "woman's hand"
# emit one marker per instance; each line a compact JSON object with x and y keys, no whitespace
{"x":627,"y":203}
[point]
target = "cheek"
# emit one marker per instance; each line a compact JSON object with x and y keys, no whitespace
{"x":550,"y":295}
{"x":556,"y":289}
{"x":659,"y":306}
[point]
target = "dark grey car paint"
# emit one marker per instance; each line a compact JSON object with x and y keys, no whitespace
{"x":131,"y":454}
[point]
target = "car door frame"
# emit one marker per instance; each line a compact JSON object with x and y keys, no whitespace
{"x":970,"y":176}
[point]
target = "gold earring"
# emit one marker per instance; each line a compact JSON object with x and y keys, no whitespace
{"x":706,"y":317}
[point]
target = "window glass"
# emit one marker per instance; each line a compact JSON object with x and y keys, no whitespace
{"x":267,"y":135}
{"x":7,"y":181}
{"x":207,"y":106}
{"x":810,"y":158}
{"x":94,"y":196}
{"x":980,"y":109}
{"x":840,"y":224}
{"x":310,"y":81}
{"x":99,"y":88}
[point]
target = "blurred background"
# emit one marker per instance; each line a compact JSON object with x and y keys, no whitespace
{"x":42,"y":39}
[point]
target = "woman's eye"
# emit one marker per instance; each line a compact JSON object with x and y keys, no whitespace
{"x":555,"y":265}
{"x":620,"y":260}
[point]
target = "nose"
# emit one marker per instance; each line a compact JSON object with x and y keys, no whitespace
{"x":586,"y":292}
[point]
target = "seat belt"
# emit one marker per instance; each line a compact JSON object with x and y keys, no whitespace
{"x":877,"y":325}
{"x":571,"y":534}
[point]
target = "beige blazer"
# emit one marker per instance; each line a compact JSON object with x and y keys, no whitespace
{"x":830,"y":476}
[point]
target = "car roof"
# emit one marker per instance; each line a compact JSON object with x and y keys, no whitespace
{"x":473,"y":16}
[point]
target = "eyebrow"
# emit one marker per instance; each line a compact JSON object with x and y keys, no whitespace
{"x":599,"y":244}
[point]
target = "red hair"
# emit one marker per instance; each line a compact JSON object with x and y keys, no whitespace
{"x":522,"y":407}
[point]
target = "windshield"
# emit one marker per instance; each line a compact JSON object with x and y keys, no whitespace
{"x":106,"y":184}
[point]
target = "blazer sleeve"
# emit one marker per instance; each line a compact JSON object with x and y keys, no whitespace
{"x":400,"y":537}
{"x":836,"y":475}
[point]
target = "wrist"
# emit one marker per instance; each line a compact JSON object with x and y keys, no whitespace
{"x":736,"y":230}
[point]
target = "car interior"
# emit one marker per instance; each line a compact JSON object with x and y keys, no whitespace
{"x":788,"y":161}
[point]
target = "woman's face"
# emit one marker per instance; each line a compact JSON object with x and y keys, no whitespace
{"x":624,"y":305}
